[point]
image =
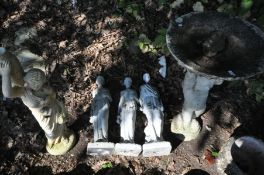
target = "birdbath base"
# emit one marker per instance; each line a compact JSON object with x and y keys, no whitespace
{"x":186,"y":133}
{"x":195,"y":90}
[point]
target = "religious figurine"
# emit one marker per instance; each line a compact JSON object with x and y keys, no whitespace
{"x":39,"y":97}
{"x":99,"y":118}
{"x":126,"y":118}
{"x":100,"y":111}
{"x":127,"y":112}
{"x":152,"y":107}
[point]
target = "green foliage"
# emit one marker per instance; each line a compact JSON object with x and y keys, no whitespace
{"x":160,"y":42}
{"x":131,"y":8}
{"x":145,"y":44}
{"x":107,"y":165}
{"x":122,"y":3}
{"x":158,"y":45}
{"x":256,"y":88}
{"x":215,"y":153}
{"x":134,"y":10}
{"x":234,"y":8}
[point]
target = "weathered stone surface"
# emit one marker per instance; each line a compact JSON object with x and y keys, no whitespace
{"x":128,"y":149}
{"x":156,"y":149}
{"x":100,"y":148}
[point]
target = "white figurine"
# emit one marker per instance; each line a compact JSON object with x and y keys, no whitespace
{"x":152,"y":107}
{"x":100,"y":111}
{"x":127,"y":112}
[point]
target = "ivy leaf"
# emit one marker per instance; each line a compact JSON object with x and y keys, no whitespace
{"x":215,"y":153}
{"x":107,"y":165}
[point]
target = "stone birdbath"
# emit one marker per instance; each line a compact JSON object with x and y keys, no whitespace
{"x":212,"y":47}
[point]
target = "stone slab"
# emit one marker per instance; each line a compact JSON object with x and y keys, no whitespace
{"x":156,"y":149}
{"x":128,"y":149}
{"x":100,"y":148}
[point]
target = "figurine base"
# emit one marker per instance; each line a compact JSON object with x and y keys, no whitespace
{"x":185,"y":133}
{"x":156,"y":149}
{"x":62,"y":147}
{"x":128,"y":149}
{"x":100,"y":148}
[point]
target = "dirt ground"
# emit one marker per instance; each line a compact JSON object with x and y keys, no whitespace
{"x":94,"y":39}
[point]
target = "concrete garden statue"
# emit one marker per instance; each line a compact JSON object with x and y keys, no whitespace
{"x":152,"y":107}
{"x":99,"y":118}
{"x":212,"y":47}
{"x":127,"y":110}
{"x":39,"y":97}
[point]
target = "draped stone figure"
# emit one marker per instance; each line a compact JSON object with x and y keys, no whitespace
{"x":127,"y":112}
{"x":100,"y":111}
{"x":152,"y":107}
{"x":39,"y":97}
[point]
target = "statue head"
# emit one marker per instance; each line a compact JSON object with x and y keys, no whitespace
{"x":128,"y":82}
{"x":146,"y":77}
{"x":35,"y":79}
{"x":100,"y":81}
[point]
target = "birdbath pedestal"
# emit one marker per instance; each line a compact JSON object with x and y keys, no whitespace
{"x":212,"y":47}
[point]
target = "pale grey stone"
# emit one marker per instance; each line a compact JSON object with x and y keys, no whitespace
{"x":100,"y":148}
{"x":195,"y":90}
{"x":128,"y":149}
{"x":100,"y":110}
{"x":156,"y":149}
{"x":127,"y":108}
{"x":152,"y":107}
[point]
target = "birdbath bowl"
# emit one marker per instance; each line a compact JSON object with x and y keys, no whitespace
{"x":212,"y":47}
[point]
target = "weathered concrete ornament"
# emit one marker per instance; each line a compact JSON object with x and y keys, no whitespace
{"x":241,"y":156}
{"x":99,"y":118}
{"x":213,"y":47}
{"x":127,"y":110}
{"x":39,"y":97}
{"x":152,"y":107}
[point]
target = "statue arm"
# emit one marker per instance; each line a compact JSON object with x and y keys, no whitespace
{"x":8,"y":90}
{"x":121,"y":101}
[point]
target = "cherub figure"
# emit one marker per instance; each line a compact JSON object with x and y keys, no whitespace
{"x":100,"y":110}
{"x":39,"y":97}
{"x":152,"y":107}
{"x":127,"y":109}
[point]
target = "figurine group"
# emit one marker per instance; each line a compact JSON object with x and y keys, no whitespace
{"x":33,"y":88}
{"x":151,"y":106}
